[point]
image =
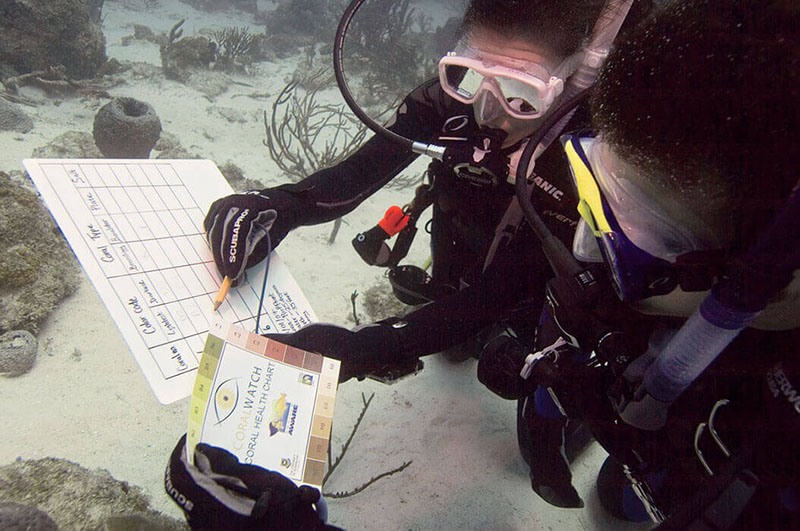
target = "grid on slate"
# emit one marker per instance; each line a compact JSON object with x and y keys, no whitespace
{"x":147,"y":234}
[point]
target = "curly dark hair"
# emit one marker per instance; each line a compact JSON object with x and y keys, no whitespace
{"x":704,"y":97}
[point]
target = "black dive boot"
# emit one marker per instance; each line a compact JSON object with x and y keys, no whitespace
{"x":541,"y":442}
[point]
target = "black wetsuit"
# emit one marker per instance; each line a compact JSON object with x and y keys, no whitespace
{"x":464,"y":219}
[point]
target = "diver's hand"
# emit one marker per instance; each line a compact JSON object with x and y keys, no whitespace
{"x":637,"y":407}
{"x":499,"y":368}
{"x":361,"y":350}
{"x":218,"y":492}
{"x":237,"y":225}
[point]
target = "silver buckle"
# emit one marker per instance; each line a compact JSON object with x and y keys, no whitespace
{"x":698,"y":433}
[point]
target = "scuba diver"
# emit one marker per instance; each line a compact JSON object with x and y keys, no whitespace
{"x":689,"y":216}
{"x":512,"y":62}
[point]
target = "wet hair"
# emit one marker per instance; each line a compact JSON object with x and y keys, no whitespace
{"x":562,"y":25}
{"x":703,"y":97}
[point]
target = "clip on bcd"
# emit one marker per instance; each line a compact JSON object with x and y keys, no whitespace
{"x":371,"y":245}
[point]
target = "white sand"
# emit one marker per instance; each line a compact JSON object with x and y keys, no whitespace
{"x":86,"y":400}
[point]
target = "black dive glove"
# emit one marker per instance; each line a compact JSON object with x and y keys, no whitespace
{"x":499,"y":368}
{"x":237,"y":225}
{"x":361,"y":350}
{"x":218,"y":492}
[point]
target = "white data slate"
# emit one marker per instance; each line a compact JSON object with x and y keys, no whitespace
{"x":137,"y":228}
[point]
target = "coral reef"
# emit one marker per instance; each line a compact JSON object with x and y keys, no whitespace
{"x":169,"y":147}
{"x":235,"y":177}
{"x":387,"y":43}
{"x":180,"y":56}
{"x":18,"y":351}
{"x":215,"y":5}
{"x":126,"y":128}
{"x":38,"y":34}
{"x":95,"y":8}
{"x":12,"y":118}
{"x":297,"y":23}
{"x":56,"y":83}
{"x":304,"y":136}
{"x":37,"y":268}
{"x":16,"y":516}
{"x":69,"y":145}
{"x":235,"y":49}
{"x":78,"y":498}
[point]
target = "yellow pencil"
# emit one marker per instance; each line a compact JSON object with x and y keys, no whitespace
{"x":223,"y":291}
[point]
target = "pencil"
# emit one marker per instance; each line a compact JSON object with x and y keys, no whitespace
{"x":223,"y":291}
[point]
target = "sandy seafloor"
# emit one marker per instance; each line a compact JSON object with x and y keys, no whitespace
{"x":86,"y":400}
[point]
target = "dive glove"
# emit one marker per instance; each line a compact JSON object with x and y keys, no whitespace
{"x":362,"y":350}
{"x":218,"y":492}
{"x":237,"y":225}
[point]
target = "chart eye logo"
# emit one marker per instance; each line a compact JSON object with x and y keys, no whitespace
{"x":226,"y":397}
{"x":286,"y":462}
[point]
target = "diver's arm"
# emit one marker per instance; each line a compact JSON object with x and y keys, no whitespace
{"x":517,"y":274}
{"x":333,"y":192}
{"x":432,"y":328}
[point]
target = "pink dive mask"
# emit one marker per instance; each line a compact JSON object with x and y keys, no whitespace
{"x":525,"y":89}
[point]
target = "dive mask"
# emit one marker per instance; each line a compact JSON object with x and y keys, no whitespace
{"x":645,"y":251}
{"x":525,"y":89}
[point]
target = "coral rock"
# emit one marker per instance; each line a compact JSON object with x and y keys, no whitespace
{"x":18,"y":351}
{"x":18,"y":517}
{"x":38,"y":34}
{"x":12,"y":118}
{"x":30,"y":246}
{"x":126,"y":128}
{"x":78,"y":498}
{"x":181,"y":57}
{"x":69,"y":145}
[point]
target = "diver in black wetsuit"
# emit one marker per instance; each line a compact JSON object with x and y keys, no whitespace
{"x":466,"y":212}
{"x":665,"y":190}
{"x":507,"y":71}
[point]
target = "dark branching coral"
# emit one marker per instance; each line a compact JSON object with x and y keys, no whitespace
{"x":126,"y":128}
{"x":304,"y":135}
{"x":235,"y":48}
{"x":387,"y":42}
